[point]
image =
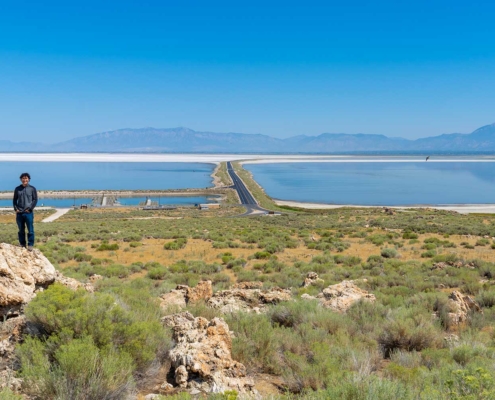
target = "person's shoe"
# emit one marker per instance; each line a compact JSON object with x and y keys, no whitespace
{"x":30,"y":248}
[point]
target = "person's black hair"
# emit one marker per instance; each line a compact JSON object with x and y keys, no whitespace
{"x":25,"y":174}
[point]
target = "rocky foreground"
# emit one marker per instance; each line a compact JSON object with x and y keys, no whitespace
{"x":201,"y":358}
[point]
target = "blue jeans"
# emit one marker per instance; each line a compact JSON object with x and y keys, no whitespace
{"x":25,"y":219}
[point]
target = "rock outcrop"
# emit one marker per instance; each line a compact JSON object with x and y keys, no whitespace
{"x":341,"y":296}
{"x":11,"y":332}
{"x":22,"y":273}
{"x":184,"y":294}
{"x":202,"y":360}
{"x":72,"y":283}
{"x":312,"y":278}
{"x":461,"y":306}
{"x":244,"y":296}
{"x":248,"y":297}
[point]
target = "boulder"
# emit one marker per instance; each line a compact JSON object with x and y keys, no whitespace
{"x":202,"y":360}
{"x":184,"y":294}
{"x":341,"y":296}
{"x":202,"y":291}
{"x":22,"y":273}
{"x":461,"y":306}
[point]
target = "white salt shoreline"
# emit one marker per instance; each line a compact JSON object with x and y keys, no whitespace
{"x":217,"y":158}
{"x":460,"y":208}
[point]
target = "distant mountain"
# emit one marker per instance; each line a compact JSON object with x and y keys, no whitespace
{"x":8,"y":146}
{"x":169,"y":140}
{"x":188,"y":140}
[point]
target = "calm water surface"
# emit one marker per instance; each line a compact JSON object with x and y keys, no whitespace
{"x":379,"y":183}
{"x":107,"y":175}
{"x":125,"y":201}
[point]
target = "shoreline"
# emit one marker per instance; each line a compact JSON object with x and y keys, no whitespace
{"x":67,"y":194}
{"x":460,"y":208}
{"x":218,"y":158}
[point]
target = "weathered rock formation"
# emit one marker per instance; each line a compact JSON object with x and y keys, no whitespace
{"x":72,"y":283}
{"x":22,"y":273}
{"x":11,"y":331}
{"x":461,"y":305}
{"x":248,"y":297}
{"x":341,"y":296}
{"x":244,"y":296}
{"x":184,"y":294}
{"x":201,"y":359}
{"x":312,"y":278}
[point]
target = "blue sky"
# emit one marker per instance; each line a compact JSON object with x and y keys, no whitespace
{"x":408,"y":69}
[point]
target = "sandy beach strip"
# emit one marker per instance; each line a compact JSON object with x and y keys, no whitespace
{"x":460,"y":208}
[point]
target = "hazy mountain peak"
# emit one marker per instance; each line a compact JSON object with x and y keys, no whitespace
{"x":183,"y":139}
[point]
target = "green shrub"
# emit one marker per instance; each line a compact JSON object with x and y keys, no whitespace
{"x":389,"y":253}
{"x":7,"y":394}
{"x":409,"y":235}
{"x":407,"y":334}
{"x":107,"y":246}
{"x":429,"y":254}
{"x":468,"y":384}
{"x":177,"y":244}
{"x":135,"y":244}
{"x":486,"y":298}
{"x":260,"y":255}
{"x":65,"y":315}
{"x":159,"y":272}
{"x":79,"y":370}
{"x":482,"y":242}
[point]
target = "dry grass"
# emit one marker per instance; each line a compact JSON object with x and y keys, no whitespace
{"x":8,"y":217}
{"x":198,"y":249}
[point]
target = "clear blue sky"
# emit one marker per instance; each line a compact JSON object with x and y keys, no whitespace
{"x":409,"y":69}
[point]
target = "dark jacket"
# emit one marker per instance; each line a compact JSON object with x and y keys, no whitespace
{"x":25,"y":198}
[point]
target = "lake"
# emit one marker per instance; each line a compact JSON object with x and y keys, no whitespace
{"x":379,"y":183}
{"x":107,"y":175}
{"x":125,"y":201}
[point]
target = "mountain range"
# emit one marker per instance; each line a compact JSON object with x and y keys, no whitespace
{"x":178,"y":140}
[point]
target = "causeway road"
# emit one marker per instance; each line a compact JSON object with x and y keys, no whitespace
{"x":247,"y":199}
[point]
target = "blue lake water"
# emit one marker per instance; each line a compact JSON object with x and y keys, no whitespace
{"x":125,"y":201}
{"x":379,"y":183}
{"x":107,"y":175}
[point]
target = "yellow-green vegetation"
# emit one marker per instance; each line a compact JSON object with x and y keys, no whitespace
{"x":8,"y":216}
{"x":93,"y":344}
{"x":223,"y":175}
{"x":402,"y":346}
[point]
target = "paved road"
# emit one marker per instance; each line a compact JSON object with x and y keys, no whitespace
{"x":247,"y":199}
{"x":57,"y":215}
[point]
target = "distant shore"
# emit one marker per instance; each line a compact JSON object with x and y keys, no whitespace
{"x":460,"y":208}
{"x":70,"y":194}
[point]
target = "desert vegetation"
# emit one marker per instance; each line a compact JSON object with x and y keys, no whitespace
{"x":403,"y":345}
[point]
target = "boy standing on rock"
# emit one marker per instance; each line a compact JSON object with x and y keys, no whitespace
{"x":25,"y":199}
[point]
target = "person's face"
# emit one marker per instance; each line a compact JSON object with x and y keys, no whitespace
{"x":25,"y":180}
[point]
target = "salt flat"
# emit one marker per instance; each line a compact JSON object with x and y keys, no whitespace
{"x":217,"y":158}
{"x":187,"y":158}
